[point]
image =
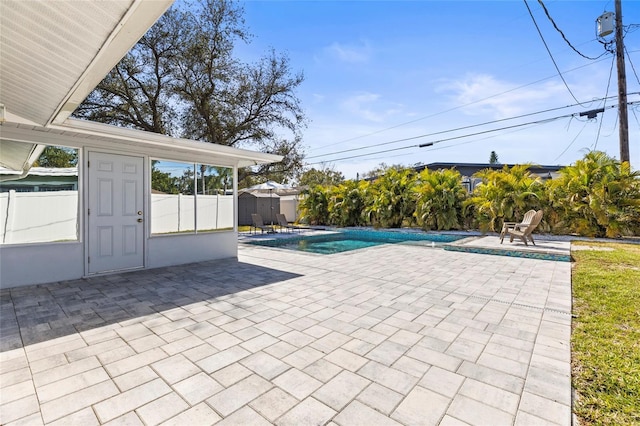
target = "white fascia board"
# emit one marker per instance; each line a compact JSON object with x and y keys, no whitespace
{"x":134,"y":24}
{"x":241,"y":157}
{"x":85,"y":134}
{"x":9,"y":117}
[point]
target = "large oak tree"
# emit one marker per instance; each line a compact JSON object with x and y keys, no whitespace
{"x":182,"y":79}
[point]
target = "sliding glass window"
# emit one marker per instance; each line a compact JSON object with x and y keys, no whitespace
{"x":41,"y":205}
{"x":188,"y":198}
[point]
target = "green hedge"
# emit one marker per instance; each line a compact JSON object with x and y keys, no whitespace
{"x":597,"y":196}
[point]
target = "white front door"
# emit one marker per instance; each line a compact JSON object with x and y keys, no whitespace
{"x":116,"y":228}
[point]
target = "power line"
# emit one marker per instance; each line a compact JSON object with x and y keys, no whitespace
{"x":447,"y":146}
{"x":606,"y":93}
{"x":549,"y":52}
{"x":451,"y":130}
{"x":564,"y":37}
{"x":531,"y":123}
{"x":458,"y":107}
{"x":636,"y":117}
{"x":574,"y":139}
{"x":437,"y":133}
{"x":631,"y":63}
{"x":475,"y":140}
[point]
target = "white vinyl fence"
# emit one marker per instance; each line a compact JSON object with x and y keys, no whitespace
{"x":32,"y":217}
{"x":289,"y":207}
{"x":177,"y":213}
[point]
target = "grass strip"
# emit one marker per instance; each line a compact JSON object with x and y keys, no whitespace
{"x":605,"y":338}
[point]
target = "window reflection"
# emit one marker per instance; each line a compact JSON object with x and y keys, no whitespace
{"x":190,"y":197}
{"x":41,"y":206}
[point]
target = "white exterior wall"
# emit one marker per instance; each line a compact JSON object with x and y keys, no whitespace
{"x":28,"y":255}
{"x":168,"y":250}
{"x":28,"y":264}
{"x":25,"y":259}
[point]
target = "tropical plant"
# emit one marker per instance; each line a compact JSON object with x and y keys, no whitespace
{"x":597,"y":196}
{"x":392,"y":197}
{"x":324,"y":176}
{"x":347,"y":203}
{"x":314,"y":206}
{"x":504,"y":196}
{"x":57,"y":156}
{"x":380,"y":170}
{"x":214,"y":179}
{"x":439,"y":198}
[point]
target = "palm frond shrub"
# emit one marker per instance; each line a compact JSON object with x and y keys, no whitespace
{"x":314,"y":206}
{"x":597,"y":196}
{"x":504,"y":196}
{"x":347,"y":203}
{"x":439,"y":197}
{"x":392,"y":197}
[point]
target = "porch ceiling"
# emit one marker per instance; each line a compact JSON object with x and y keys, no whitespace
{"x":53,"y":53}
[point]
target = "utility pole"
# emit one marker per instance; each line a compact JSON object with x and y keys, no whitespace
{"x":622,"y":86}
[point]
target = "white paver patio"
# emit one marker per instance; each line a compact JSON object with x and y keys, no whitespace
{"x":394,"y":334}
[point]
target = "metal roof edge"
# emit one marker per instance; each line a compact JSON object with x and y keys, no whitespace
{"x":244,"y":157}
{"x":489,"y":165}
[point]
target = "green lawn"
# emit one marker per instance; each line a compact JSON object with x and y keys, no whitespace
{"x":606,"y":333}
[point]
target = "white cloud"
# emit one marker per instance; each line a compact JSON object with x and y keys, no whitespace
{"x":370,"y":107}
{"x":480,"y":94}
{"x":351,"y":53}
{"x":318,"y":98}
{"x":361,"y":105}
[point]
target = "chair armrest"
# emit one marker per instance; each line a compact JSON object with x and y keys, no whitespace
{"x":507,"y":225}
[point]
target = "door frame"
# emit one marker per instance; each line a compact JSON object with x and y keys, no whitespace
{"x":84,"y":186}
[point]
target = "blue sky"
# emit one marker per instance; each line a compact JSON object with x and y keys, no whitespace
{"x":380,"y":71}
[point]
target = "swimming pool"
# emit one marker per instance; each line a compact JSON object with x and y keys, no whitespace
{"x":347,"y":240}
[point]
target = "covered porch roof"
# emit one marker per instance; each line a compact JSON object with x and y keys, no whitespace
{"x":53,"y":54}
{"x":80,"y":133}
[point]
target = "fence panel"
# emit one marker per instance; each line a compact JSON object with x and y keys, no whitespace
{"x":33,"y":217}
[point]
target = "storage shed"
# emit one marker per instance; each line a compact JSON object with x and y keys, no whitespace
{"x":265,"y":204}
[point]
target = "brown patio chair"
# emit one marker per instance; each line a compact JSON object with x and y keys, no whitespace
{"x":282,"y":222}
{"x":525,"y":233}
{"x":259,"y":224}
{"x":526,"y":220}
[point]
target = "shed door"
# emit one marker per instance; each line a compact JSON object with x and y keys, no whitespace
{"x":116,"y":228}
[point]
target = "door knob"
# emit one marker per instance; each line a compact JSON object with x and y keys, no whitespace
{"x":140,"y":220}
{"x":139,"y":212}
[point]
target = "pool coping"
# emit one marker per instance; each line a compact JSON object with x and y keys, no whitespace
{"x":528,"y":252}
{"x":422,"y":239}
{"x":510,"y":253}
{"x":432,"y":240}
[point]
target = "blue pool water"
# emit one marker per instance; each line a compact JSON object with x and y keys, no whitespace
{"x":351,"y":240}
